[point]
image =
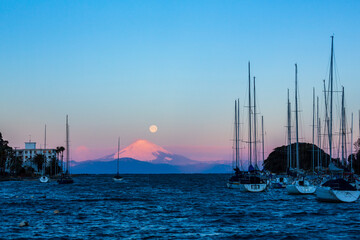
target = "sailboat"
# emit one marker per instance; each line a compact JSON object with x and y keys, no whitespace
{"x":43,"y":178}
{"x":117,"y":177}
{"x":282,"y":180}
{"x":65,"y":177}
{"x":235,"y":180}
{"x":299,"y":186}
{"x":252,"y":181}
{"x":338,"y":189}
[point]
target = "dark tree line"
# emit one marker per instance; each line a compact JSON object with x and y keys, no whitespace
{"x":277,"y":161}
{"x":5,"y":152}
{"x":8,"y":160}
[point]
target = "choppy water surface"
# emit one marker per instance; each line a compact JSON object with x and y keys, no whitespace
{"x":167,"y":207}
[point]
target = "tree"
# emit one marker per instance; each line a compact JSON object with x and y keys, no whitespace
{"x":14,"y":163}
{"x":38,"y":160}
{"x":54,"y":164}
{"x":5,"y":150}
{"x":277,"y":159}
{"x":60,"y":152}
{"x":356,"y":157}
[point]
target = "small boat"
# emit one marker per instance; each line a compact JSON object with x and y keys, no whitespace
{"x":337,"y":190}
{"x":253,"y":182}
{"x":44,"y":179}
{"x":279,"y":182}
{"x":65,"y":178}
{"x":234,"y":181}
{"x":117,"y":177}
{"x":301,"y":187}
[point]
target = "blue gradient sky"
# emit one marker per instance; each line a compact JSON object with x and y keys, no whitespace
{"x":116,"y":67}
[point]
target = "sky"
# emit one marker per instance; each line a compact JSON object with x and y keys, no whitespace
{"x":117,"y":67}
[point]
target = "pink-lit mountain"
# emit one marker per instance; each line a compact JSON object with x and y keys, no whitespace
{"x":143,"y":150}
{"x":143,"y":156}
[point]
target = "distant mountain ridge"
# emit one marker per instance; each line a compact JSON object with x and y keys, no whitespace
{"x":143,"y":150}
{"x":143,"y":156}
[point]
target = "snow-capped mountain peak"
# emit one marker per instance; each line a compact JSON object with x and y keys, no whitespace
{"x":143,"y":150}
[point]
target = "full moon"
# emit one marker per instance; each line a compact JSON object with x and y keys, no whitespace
{"x":153,"y":128}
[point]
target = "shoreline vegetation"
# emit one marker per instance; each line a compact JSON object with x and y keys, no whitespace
{"x":277,"y":161}
{"x":12,"y":166}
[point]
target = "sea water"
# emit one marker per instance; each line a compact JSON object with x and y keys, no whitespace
{"x":167,"y":206}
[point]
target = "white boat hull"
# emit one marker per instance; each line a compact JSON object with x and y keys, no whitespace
{"x":44,"y":179}
{"x":253,"y":187}
{"x":297,"y":189}
{"x":117,"y":179}
{"x":247,"y":187}
{"x":330,"y":195}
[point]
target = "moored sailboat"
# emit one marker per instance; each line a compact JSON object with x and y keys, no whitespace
{"x":281,"y":181}
{"x":253,"y":180}
{"x":338,"y":189}
{"x":234,"y":181}
{"x":117,"y":177}
{"x":299,"y":186}
{"x":65,"y":177}
{"x":43,"y":178}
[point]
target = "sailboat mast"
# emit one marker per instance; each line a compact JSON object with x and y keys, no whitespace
{"x":296,"y":122}
{"x":45,"y":138}
{"x":351,"y":145}
{"x":67,"y":145}
{"x":342,"y":128}
{"x":345,"y":138}
{"x":238,"y":133}
{"x":263,"y":143}
{"x":320,"y":158}
{"x":289,"y":131}
{"x":44,"y":153}
{"x":318,"y":131}
{"x":331,"y":95}
{"x":236,"y":137}
{"x":250,"y":157}
{"x":255,"y":133}
{"x":118,"y":156}
{"x":313,"y":133}
{"x":326,"y":117}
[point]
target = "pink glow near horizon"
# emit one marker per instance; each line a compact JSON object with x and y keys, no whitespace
{"x":198,"y":153}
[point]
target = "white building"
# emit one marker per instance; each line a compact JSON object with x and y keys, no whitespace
{"x":30,"y":151}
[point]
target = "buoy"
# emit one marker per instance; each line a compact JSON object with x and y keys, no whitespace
{"x":56,"y":211}
{"x":23,"y":224}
